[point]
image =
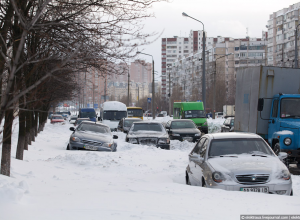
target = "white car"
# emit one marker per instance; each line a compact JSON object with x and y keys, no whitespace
{"x":238,"y":162}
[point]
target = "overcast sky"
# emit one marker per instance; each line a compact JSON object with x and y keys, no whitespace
{"x":226,"y":18}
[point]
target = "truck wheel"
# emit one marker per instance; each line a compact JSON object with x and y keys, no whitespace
{"x":276,"y":148}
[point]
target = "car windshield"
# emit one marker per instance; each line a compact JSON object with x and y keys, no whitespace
{"x":135,"y":112}
{"x":114,"y":115}
{"x":57,"y":117}
{"x":128,"y":123}
{"x":194,"y":114}
{"x":238,"y":146}
{"x":182,"y":124}
{"x":87,"y":114}
{"x":290,"y":108}
{"x":146,"y":127}
{"x":93,"y":128}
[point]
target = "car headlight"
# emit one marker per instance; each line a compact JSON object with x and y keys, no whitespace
{"x":285,"y":174}
{"x":287,"y":141}
{"x":205,"y":123}
{"x":176,"y":135}
{"x":133,"y":140}
{"x":108,"y":144}
{"x":197,"y":135}
{"x":76,"y":139}
{"x":164,"y":141}
{"x":217,"y":177}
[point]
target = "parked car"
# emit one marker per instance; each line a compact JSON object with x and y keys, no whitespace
{"x":160,"y":115}
{"x":149,"y":133}
{"x":238,"y":162}
{"x":165,"y":113}
{"x":73,"y":119}
{"x":125,"y":124}
{"x":228,"y":125}
{"x":183,"y":130}
{"x":79,"y":120}
{"x":92,"y":136}
{"x":57,"y":119}
{"x":65,"y":116}
{"x":219,"y":115}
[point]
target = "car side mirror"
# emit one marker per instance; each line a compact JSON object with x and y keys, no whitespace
{"x":115,"y":137}
{"x":260,"y":105}
{"x":196,"y":158}
{"x":72,"y":129}
{"x":282,"y":155}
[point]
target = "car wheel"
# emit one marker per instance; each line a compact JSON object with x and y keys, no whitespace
{"x":291,"y":193}
{"x":187,"y":179}
{"x":68,"y":147}
{"x":203,"y":183}
{"x":276,"y":148}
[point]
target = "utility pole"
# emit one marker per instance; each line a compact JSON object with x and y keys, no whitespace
{"x":138,"y":96}
{"x":128,"y":88}
{"x":153,"y":90}
{"x":296,"y":47}
{"x":169,"y":95}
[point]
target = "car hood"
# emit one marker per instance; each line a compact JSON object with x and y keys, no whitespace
{"x":94,"y":136}
{"x":244,"y":164}
{"x":147,"y":134}
{"x":111,"y":124}
{"x":186,"y":131}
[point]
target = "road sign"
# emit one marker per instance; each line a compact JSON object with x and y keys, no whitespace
{"x":149,"y":100}
{"x":88,"y":105}
{"x":95,"y":105}
{"x":199,"y":101}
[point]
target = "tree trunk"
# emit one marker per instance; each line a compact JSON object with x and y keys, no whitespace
{"x":28,"y":126}
{"x":6,"y":145}
{"x":36,"y":123}
{"x":22,"y":135}
{"x":32,"y":127}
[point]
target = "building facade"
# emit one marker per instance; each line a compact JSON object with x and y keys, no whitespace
{"x":281,"y":36}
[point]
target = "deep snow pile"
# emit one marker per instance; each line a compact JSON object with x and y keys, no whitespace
{"x":136,"y":182}
{"x":214,"y":125}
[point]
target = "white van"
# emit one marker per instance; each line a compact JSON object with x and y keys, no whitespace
{"x":219,"y":115}
{"x":111,"y":113}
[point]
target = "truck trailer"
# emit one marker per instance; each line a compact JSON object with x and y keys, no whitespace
{"x":268,"y":103}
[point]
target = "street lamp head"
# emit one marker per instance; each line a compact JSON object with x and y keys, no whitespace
{"x":184,"y":14}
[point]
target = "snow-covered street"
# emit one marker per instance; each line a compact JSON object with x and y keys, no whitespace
{"x":136,"y":182}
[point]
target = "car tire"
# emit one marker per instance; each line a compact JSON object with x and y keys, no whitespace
{"x":68,"y":147}
{"x":187,"y":179}
{"x":276,"y":148}
{"x":203,"y":183}
{"x":292,"y":193}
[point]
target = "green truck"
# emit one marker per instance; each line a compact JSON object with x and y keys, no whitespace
{"x":193,"y":111}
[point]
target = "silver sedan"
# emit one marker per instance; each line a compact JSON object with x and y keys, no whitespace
{"x":238,"y":162}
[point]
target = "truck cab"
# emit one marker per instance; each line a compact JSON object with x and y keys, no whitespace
{"x":284,"y":126}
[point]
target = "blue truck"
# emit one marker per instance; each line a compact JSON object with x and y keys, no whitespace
{"x":88,"y":113}
{"x":268,"y":103}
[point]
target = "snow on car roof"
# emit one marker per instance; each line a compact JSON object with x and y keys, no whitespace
{"x":148,"y":122}
{"x":230,"y":135}
{"x":133,"y":119}
{"x":114,"y":105}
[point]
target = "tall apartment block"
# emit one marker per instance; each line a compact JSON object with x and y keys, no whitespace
{"x":281,"y":36}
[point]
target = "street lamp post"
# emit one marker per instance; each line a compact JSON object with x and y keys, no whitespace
{"x":169,"y":95}
{"x":203,"y":61}
{"x":153,"y":85}
{"x":296,"y":47}
{"x":214,"y":95}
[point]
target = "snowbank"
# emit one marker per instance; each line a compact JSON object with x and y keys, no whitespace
{"x":11,"y":190}
{"x":214,"y":125}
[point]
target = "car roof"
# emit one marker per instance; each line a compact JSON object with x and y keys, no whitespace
{"x":231,"y":135}
{"x":133,"y":119}
{"x":147,"y":122}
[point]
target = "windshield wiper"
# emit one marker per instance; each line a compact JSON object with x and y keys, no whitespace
{"x":258,"y":155}
{"x":228,"y":156}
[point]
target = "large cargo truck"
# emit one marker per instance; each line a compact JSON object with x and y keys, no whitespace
{"x":268,"y":103}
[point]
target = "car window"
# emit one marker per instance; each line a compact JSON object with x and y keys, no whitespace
{"x":128,"y":123}
{"x":198,"y":146}
{"x":182,"y":124}
{"x":203,"y":149}
{"x":146,"y":127}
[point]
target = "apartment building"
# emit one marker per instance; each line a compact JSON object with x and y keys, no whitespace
{"x":281,"y":36}
{"x":224,"y":56}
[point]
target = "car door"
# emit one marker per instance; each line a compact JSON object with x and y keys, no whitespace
{"x":273,"y":122}
{"x":192,"y":165}
{"x":200,"y":166}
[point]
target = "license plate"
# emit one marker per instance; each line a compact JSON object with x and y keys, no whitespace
{"x":90,"y":148}
{"x":187,"y":138}
{"x":255,"y":189}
